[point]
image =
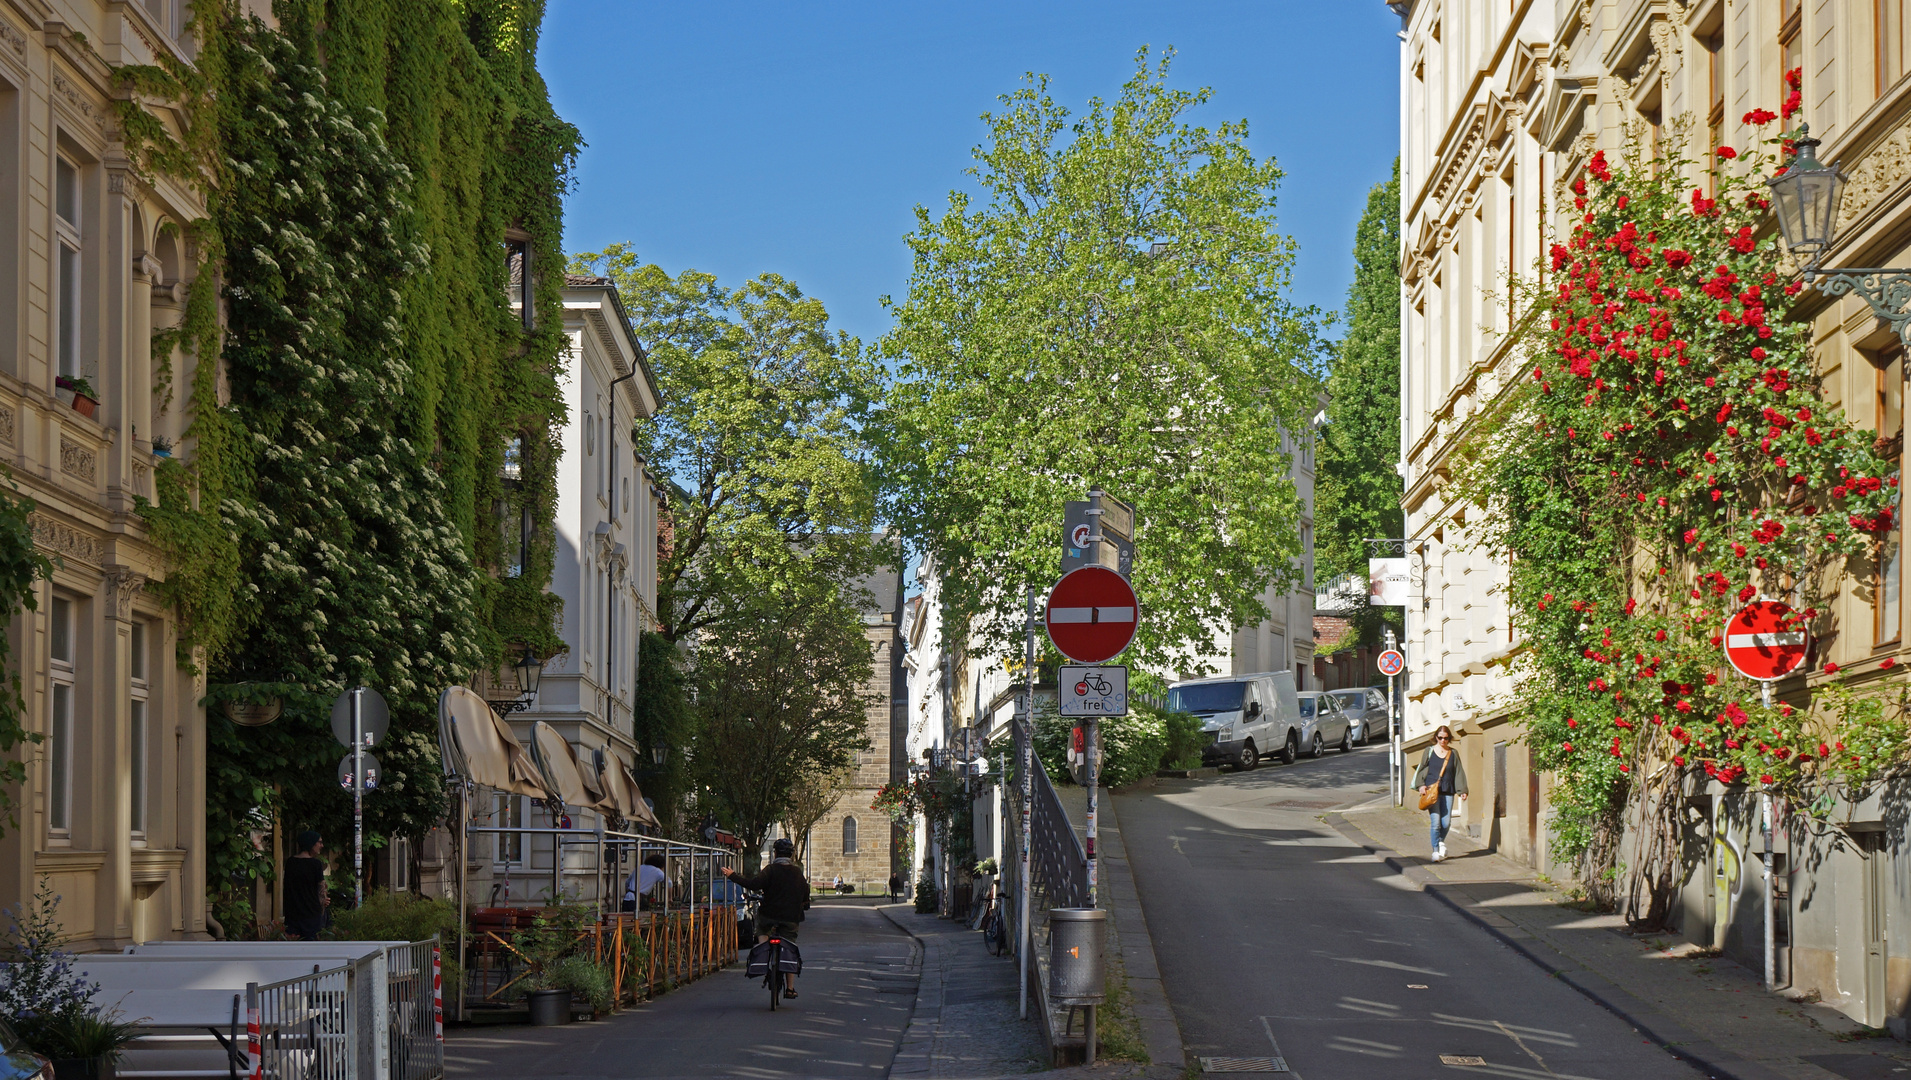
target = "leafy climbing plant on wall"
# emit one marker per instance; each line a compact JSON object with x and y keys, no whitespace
{"x":1667,"y":455}
{"x":341,"y":519}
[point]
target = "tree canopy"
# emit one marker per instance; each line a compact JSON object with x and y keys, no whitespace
{"x":1357,"y":493}
{"x":1110,"y":308}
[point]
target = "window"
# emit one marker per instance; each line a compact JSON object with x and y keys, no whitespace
{"x":520,"y":287}
{"x":1887,"y":585}
{"x":849,"y":836}
{"x":509,"y":812}
{"x":136,"y":722}
{"x":1791,"y":45}
{"x":1890,"y":30}
{"x":59,"y":735}
{"x":70,"y":272}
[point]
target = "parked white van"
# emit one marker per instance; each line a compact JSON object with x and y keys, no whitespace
{"x":1246,"y":716}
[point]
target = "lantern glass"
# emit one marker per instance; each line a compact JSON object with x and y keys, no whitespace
{"x":530,"y":669}
{"x":1806,"y":198}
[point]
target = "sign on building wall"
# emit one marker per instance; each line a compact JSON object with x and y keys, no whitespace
{"x":1387,"y":582}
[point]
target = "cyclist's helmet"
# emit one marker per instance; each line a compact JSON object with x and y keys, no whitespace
{"x":784,"y":849}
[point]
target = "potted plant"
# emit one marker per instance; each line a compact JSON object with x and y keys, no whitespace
{"x":86,"y":1045}
{"x":162,"y":446}
{"x":544,"y":947}
{"x":85,"y":400}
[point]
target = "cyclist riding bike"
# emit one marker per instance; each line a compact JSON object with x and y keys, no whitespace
{"x":786,"y":892}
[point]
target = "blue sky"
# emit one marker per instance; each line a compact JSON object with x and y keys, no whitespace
{"x":745,"y":137}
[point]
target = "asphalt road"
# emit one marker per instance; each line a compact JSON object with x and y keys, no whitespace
{"x":1277,"y":936}
{"x":856,"y":993}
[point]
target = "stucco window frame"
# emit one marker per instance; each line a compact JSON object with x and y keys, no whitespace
{"x":62,"y":691}
{"x":139,"y":734}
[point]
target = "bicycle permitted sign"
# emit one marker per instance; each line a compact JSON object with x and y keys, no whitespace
{"x":1094,"y":691}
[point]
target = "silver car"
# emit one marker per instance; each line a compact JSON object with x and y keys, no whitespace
{"x":1366,"y":709}
{"x":1323,"y":724}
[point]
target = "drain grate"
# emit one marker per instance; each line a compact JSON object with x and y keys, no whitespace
{"x":1461,"y":1059}
{"x":1243,"y":1065}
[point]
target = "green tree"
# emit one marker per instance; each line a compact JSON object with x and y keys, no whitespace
{"x":782,"y":695}
{"x":761,"y":433}
{"x":1358,"y":491}
{"x":1111,"y":310}
{"x":663,"y":717}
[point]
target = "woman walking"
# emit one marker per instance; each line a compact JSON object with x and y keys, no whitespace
{"x":1441,"y":777}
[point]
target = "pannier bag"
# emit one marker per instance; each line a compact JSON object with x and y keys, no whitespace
{"x":759,"y":964}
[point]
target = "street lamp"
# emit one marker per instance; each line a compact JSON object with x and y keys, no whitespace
{"x":529,"y":671}
{"x":1806,"y":197}
{"x":657,"y":751}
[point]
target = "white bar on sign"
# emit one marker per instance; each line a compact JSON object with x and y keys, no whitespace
{"x":1091,"y":614}
{"x":1753,"y":641}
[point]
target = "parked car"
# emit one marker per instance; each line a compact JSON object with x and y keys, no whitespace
{"x":1244,"y":716}
{"x":1366,"y":708}
{"x":19,"y":1063}
{"x":1324,"y":724}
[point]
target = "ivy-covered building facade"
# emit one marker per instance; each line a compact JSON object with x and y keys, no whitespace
{"x":1516,"y":125}
{"x":260,"y":444}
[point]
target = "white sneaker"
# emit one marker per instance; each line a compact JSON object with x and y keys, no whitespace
{"x":1443,"y":849}
{"x":1439,"y":855}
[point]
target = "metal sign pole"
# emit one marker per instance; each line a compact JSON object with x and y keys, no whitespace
{"x":1771,"y":888}
{"x":1396,"y":769}
{"x":1091,"y":731}
{"x":358,"y":799}
{"x":1024,"y":940}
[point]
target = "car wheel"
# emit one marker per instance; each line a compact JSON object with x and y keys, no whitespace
{"x":1347,"y":739}
{"x":1249,"y":758}
{"x":1317,"y":747}
{"x":1291,"y":752}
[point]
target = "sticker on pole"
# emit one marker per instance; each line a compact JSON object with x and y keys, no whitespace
{"x":1391,"y":663}
{"x":1766,"y":640}
{"x":373,"y":771}
{"x":1094,"y":691}
{"x":1092,"y":614}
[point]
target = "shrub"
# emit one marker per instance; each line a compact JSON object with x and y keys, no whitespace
{"x":586,"y":979}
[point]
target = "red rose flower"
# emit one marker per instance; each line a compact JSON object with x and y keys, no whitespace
{"x":1831,"y":668}
{"x":1727,"y":153}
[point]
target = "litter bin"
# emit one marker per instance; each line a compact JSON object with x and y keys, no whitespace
{"x":1076,"y":940}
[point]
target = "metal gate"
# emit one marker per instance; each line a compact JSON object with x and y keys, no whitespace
{"x":302,"y":1029}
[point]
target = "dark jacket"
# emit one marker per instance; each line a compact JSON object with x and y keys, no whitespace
{"x":786,"y":892}
{"x":1430,"y":771}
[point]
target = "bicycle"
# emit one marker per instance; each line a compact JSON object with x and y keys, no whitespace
{"x":995,"y":930}
{"x":768,"y":958}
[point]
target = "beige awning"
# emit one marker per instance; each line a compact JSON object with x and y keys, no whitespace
{"x":623,"y":791}
{"x":482,"y":747}
{"x":560,"y":764}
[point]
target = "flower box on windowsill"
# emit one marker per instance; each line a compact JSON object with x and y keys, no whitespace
{"x":82,"y":400}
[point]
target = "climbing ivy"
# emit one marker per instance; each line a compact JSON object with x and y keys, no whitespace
{"x":341,"y":518}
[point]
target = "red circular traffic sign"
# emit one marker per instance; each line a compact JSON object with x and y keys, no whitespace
{"x":1092,"y":614}
{"x":1766,"y":640}
{"x":1392,"y":663}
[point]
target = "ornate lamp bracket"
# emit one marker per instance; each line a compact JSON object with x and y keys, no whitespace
{"x":1887,"y":291}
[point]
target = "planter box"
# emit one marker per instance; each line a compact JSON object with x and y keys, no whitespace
{"x":84,"y":1069}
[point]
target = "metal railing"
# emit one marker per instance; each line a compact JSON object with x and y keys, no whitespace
{"x":414,"y":1015}
{"x":1057,"y":863}
{"x":302,"y":1029}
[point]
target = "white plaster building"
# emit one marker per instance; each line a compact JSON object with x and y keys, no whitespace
{"x":605,"y":573}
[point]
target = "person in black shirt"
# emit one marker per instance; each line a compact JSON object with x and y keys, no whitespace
{"x":786,"y":892}
{"x":305,"y":896}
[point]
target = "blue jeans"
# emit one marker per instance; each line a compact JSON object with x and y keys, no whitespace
{"x":1439,"y":820}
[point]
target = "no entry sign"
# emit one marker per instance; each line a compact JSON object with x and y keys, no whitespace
{"x":1092,"y":614}
{"x":1765,"y":640}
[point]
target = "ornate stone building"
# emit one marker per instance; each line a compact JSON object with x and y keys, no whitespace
{"x":1502,"y":104}
{"x":93,"y":260}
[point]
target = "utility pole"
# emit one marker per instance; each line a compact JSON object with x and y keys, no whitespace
{"x":1091,"y":727}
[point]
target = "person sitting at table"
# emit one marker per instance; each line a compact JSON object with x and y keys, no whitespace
{"x":647,"y":881}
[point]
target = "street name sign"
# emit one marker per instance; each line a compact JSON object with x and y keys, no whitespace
{"x":1392,"y":663}
{"x":1094,"y":691}
{"x":1092,"y":615}
{"x":1765,"y":640}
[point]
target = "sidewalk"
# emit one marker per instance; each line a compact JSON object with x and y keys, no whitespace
{"x":1707,"y":1010}
{"x":966,"y":1023}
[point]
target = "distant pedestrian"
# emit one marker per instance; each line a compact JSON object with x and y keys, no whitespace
{"x":305,"y":896}
{"x":1440,"y":778}
{"x":895,"y":886}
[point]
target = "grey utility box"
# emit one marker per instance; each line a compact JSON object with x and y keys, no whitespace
{"x":1077,"y":938}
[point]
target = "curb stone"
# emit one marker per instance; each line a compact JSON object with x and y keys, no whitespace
{"x":1671,"y":1036}
{"x":1148,"y":999}
{"x":913,"y":1054}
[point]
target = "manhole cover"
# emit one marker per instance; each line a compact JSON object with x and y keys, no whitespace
{"x":1461,"y":1059}
{"x":1243,"y":1065}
